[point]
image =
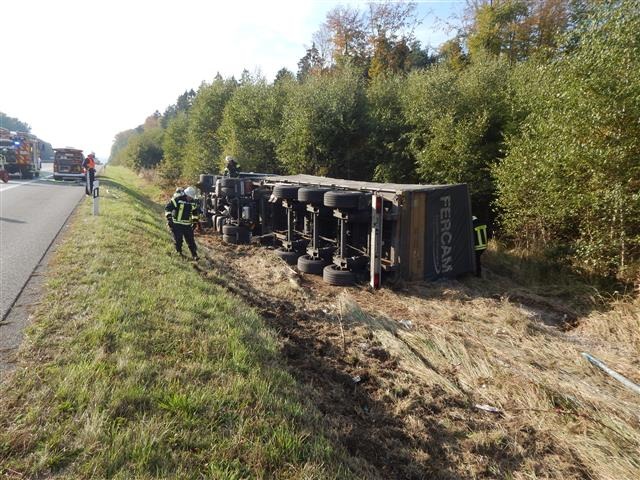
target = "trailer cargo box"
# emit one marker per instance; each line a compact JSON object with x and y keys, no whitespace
{"x":426,"y":229}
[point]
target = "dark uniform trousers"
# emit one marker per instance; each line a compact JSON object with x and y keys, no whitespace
{"x":185,"y":232}
{"x":92,"y":177}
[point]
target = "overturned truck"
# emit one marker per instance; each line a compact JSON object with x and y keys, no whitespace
{"x":345,"y":230}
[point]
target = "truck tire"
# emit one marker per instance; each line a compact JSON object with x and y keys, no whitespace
{"x":306,"y":264}
{"x":236,"y":240}
{"x":284,"y":191}
{"x":207,"y":182}
{"x":240,"y":233}
{"x":345,"y":199}
{"x":228,"y":191}
{"x":340,"y":278}
{"x":312,"y":195}
{"x":229,"y":182}
{"x":229,"y":239}
{"x":291,"y":257}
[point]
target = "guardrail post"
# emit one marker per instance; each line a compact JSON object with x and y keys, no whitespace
{"x":96,"y":197}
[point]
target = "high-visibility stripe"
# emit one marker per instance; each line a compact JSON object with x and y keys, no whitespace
{"x":481,"y":237}
{"x":180,"y":212}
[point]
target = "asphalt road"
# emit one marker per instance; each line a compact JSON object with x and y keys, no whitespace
{"x":32,"y":212}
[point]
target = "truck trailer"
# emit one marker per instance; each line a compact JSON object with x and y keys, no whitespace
{"x":348,"y":230}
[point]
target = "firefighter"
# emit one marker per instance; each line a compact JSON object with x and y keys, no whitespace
{"x":89,"y":164}
{"x":179,"y":212}
{"x":231,"y":167}
{"x":480,"y":242}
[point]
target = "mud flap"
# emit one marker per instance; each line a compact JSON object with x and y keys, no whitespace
{"x":4,"y":176}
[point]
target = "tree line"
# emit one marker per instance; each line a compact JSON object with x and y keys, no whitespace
{"x":533,"y":103}
{"x":13,"y":124}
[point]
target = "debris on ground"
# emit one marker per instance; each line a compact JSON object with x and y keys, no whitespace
{"x":487,"y":408}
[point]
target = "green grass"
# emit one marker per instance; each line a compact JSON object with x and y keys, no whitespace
{"x":138,"y":367}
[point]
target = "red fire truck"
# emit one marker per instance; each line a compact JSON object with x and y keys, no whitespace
{"x":20,"y":152}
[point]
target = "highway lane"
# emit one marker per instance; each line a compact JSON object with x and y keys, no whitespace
{"x":32,"y":213}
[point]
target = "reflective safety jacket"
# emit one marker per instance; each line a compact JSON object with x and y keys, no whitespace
{"x":181,"y":210}
{"x":480,"y":235}
{"x":89,"y":163}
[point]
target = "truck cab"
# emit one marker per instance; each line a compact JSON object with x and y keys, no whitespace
{"x":67,"y":163}
{"x":21,"y":153}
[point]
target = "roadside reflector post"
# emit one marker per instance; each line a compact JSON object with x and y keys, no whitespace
{"x":375,"y":255}
{"x":96,"y":197}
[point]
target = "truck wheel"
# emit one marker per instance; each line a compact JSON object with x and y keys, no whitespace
{"x":228,"y":191}
{"x":37,"y":174}
{"x":341,"y":278}
{"x":345,"y":199}
{"x":306,"y":264}
{"x":312,"y":195}
{"x":230,"y":229}
{"x":290,"y":257}
{"x":229,"y":182}
{"x":240,"y":233}
{"x":230,"y":239}
{"x":284,"y":191}
{"x":207,"y":182}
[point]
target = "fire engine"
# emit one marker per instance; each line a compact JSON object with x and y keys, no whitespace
{"x":20,"y":153}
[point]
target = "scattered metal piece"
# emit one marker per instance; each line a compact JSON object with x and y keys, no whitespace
{"x":408,"y":324}
{"x":622,"y":379}
{"x":487,"y":408}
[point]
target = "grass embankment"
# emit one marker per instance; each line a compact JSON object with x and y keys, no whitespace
{"x":137,"y":367}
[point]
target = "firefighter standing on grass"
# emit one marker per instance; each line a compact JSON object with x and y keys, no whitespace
{"x":480,"y":242}
{"x":179,"y":212}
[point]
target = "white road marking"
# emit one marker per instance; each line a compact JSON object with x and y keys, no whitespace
{"x":4,"y":188}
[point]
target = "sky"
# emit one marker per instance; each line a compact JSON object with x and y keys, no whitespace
{"x":80,"y":71}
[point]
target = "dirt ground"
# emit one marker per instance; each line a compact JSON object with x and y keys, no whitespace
{"x":458,"y":379}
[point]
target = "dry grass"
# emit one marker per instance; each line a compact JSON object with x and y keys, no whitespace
{"x":495,"y":353}
{"x":455,"y":345}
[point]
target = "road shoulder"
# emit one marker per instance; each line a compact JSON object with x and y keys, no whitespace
{"x":20,"y":315}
